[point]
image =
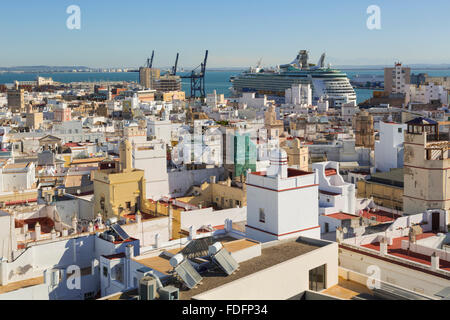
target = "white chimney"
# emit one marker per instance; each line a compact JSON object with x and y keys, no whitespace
{"x":383,"y":247}
{"x":129,"y":253}
{"x":53,"y":234}
{"x":37,"y":231}
{"x":191,"y":233}
{"x":65,"y":232}
{"x":91,"y":227}
{"x":138,"y":217}
{"x":157,"y":242}
{"x":278,"y":164}
{"x":434,"y":261}
{"x":75,"y":224}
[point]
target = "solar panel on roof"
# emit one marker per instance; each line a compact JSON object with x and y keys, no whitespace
{"x":118,"y":229}
{"x":225,"y":261}
{"x":197,"y":248}
{"x":188,"y":274}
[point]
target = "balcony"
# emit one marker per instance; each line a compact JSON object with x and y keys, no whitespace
{"x":434,"y":137}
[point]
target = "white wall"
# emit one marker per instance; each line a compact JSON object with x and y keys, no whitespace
{"x":281,"y":281}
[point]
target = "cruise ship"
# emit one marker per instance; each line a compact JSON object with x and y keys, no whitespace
{"x":326,"y":83}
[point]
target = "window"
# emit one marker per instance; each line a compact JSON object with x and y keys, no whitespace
{"x":317,"y":278}
{"x":262,"y":216}
{"x":399,"y":130}
{"x":105,"y":271}
{"x":128,"y":204}
{"x":117,"y":273}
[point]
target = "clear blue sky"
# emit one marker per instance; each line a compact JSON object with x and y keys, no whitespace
{"x":236,"y":32}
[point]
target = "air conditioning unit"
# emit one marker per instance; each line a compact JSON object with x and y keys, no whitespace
{"x":147,"y":288}
{"x":169,"y":293}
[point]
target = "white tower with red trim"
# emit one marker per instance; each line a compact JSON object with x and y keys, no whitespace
{"x":282,"y":202}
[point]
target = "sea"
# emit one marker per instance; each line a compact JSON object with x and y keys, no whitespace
{"x":214,"y":80}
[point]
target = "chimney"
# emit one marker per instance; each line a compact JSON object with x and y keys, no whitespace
{"x":383,"y":247}
{"x":129,"y":252}
{"x":65,"y":232}
{"x":25,"y":228}
{"x":91,"y":227}
{"x":212,"y":179}
{"x":157,"y":242}
{"x":74,"y":224}
{"x":191,"y":233}
{"x":138,"y":217}
{"x":37,"y":230}
{"x":170,"y":221}
{"x":434,"y":261}
{"x":53,"y":234}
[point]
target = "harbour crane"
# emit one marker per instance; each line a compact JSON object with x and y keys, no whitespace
{"x":174,"y":68}
{"x":150,"y":60}
{"x":198,"y":80}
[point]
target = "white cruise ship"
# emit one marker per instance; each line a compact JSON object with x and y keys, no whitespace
{"x":326,"y":82}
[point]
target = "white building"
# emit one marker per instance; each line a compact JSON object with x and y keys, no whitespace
{"x":249,"y":100}
{"x":300,"y":94}
{"x":282,"y":202}
{"x":426,"y":93}
{"x":16,"y":177}
{"x":215,"y":100}
{"x":151,"y":157}
{"x":348,"y":110}
{"x":335,"y":195}
{"x":389,"y":149}
{"x":160,"y":129}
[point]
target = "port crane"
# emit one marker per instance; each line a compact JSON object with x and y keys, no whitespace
{"x":150,"y":60}
{"x":174,"y":68}
{"x":197,"y":78}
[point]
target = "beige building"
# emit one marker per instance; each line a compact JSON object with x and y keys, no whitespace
{"x":364,"y":132}
{"x":385,"y":188}
{"x":220,"y":195}
{"x":396,"y":78}
{"x":426,"y":167}
{"x":298,"y":155}
{"x":147,"y":76}
{"x":16,"y":100}
{"x":34,"y":119}
{"x":273,"y":126}
{"x":169,"y":96}
{"x":119,"y":191}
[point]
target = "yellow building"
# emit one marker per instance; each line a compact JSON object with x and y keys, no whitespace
{"x":426,"y":167}
{"x":220,"y":195}
{"x":385,"y":188}
{"x":170,"y":96}
{"x":119,"y":191}
{"x":298,"y":155}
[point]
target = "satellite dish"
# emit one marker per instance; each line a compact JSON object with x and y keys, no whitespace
{"x":344,"y":230}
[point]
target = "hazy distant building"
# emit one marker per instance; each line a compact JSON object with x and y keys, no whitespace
{"x":147,"y":77}
{"x":166,"y":83}
{"x":16,"y":100}
{"x":396,"y":78}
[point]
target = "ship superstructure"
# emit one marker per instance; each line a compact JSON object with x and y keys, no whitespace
{"x":326,"y":82}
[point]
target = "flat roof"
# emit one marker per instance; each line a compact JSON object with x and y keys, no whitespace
{"x":347,"y":289}
{"x":161,"y":263}
{"x":396,"y":250}
{"x":269,"y":257}
{"x":21,"y":284}
{"x":342,"y":216}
